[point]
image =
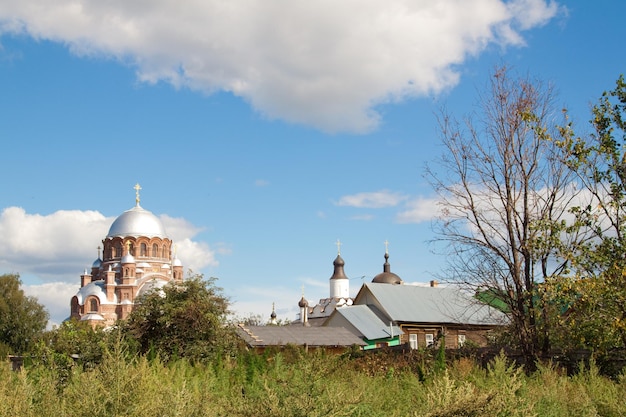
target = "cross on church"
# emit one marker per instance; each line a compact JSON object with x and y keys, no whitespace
{"x":386,"y":246}
{"x":137,"y":187}
{"x":338,"y":247}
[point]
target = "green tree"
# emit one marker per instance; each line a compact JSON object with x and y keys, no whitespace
{"x":596,"y":289}
{"x":502,"y":191}
{"x":187,"y":319}
{"x":22,"y":318}
{"x":74,"y":342}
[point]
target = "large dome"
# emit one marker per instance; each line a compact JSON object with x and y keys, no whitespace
{"x":137,"y":222}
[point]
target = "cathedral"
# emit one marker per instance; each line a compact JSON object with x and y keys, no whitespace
{"x":135,"y":257}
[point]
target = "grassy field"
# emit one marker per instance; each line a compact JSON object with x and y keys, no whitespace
{"x":293,"y":383}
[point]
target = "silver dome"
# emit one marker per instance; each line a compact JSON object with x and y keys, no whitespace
{"x":137,"y":222}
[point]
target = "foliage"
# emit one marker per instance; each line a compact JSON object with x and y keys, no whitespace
{"x":502,"y":191}
{"x":72,"y":344}
{"x":182,"y":320}
{"x":596,"y":291}
{"x":22,"y":318}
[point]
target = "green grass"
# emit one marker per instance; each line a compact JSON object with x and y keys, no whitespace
{"x":293,"y":384}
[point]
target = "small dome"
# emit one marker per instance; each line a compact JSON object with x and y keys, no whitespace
{"x":97,"y":263}
{"x":137,"y":222}
{"x":94,"y":288}
{"x":338,"y":272}
{"x":128,"y":259}
{"x":387,"y":277}
{"x":303,"y":302}
{"x":177,"y":262}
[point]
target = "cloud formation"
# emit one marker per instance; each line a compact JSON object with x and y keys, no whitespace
{"x":59,"y":246}
{"x":419,"y":210}
{"x":374,"y":199}
{"x":325,"y":64}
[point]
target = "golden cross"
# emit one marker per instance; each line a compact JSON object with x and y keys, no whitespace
{"x":386,"y":246}
{"x":137,"y":187}
{"x":338,"y":247}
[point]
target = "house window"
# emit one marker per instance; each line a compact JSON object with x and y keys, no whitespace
{"x":430,"y":339}
{"x":155,"y":251}
{"x":413,"y":340}
{"x":143,"y":250}
{"x":461,"y":340}
{"x":93,"y":305}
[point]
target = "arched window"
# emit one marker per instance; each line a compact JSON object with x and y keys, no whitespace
{"x":155,"y":250}
{"x":143,"y":250}
{"x":74,"y":305}
{"x":164,"y":255}
{"x":93,"y":305}
{"x":118,"y":250}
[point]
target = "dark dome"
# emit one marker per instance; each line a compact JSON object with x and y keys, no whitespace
{"x":387,"y":278}
{"x":303,"y":302}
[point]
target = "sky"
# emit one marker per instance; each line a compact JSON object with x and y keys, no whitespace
{"x":261,"y":132}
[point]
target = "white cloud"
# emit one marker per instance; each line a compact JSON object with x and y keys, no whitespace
{"x":63,"y":242}
{"x":55,"y":297}
{"x":178,"y":228}
{"x":195,"y":255}
{"x":375,"y":199}
{"x":325,"y":63}
{"x":59,"y":246}
{"x":261,"y":183}
{"x":419,"y":210}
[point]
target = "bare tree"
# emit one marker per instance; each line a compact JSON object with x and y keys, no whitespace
{"x":503,"y":192}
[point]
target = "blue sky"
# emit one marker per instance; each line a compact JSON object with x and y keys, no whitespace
{"x":260,"y":132}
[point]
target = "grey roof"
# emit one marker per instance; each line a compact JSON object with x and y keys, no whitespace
{"x":260,"y":336}
{"x":420,"y":304}
{"x":368,"y":321}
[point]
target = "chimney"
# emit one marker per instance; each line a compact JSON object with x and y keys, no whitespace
{"x":434,"y":283}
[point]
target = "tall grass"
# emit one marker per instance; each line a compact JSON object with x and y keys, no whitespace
{"x":293,"y":383}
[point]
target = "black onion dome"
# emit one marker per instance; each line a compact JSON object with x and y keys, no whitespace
{"x":387,"y":277}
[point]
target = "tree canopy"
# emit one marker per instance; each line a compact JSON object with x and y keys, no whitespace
{"x":22,"y":318}
{"x":186,"y":319}
{"x":595,"y":290}
{"x":503,"y":189}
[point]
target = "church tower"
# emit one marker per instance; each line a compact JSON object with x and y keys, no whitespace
{"x":339,"y":282}
{"x":136,"y":257}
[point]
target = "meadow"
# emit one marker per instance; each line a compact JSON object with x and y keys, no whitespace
{"x":293,"y":383}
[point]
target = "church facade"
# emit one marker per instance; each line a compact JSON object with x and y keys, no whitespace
{"x":135,"y":257}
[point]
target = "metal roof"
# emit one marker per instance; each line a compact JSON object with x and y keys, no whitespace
{"x":258,"y":336}
{"x":368,"y":321}
{"x":137,"y":222}
{"x":419,"y":304}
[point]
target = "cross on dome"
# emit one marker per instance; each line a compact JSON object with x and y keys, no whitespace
{"x":137,"y":187}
